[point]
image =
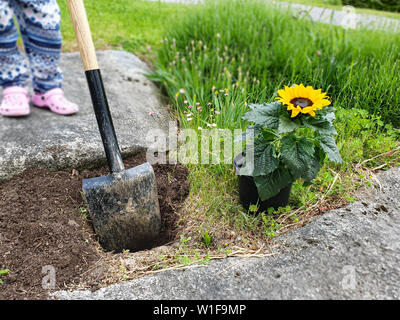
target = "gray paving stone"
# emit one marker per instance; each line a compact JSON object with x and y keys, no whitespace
{"x":47,"y":140}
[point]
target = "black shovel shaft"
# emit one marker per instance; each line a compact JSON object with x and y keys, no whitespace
{"x":95,"y":82}
{"x":104,"y":120}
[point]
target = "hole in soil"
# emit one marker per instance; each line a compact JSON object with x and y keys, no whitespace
{"x":43,"y":222}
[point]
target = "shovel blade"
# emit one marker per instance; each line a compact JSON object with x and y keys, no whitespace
{"x":124,"y":208}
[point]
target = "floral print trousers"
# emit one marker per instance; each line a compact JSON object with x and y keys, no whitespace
{"x":39,"y":25}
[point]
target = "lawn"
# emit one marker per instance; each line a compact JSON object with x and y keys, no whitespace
{"x":130,"y":25}
{"x":230,"y":54}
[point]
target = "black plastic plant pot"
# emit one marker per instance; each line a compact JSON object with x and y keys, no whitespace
{"x":248,"y":193}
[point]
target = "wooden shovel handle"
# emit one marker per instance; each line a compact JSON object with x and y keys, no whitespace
{"x":83,"y":34}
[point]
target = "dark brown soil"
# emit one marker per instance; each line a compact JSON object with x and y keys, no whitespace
{"x":41,"y":225}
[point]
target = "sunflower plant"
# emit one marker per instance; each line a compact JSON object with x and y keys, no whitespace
{"x":292,"y":137}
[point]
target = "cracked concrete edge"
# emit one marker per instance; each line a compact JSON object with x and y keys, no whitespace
{"x":347,"y":253}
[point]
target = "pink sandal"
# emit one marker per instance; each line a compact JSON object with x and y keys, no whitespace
{"x":15,"y":102}
{"x":55,"y":101}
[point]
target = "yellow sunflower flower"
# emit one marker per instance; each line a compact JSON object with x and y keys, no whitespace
{"x":301,"y":99}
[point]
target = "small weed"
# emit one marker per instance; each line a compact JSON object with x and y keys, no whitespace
{"x":156,"y":267}
{"x":183,"y":254}
{"x":184,"y":260}
{"x":206,"y":259}
{"x":124,"y":272}
{"x":206,"y":239}
{"x":227,"y":252}
{"x":349,"y":198}
{"x":270,"y":225}
{"x":184,"y":240}
{"x":84,"y":213}
{"x":2,"y":273}
{"x":253,"y":208}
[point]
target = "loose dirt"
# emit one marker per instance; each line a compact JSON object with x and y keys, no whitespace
{"x":44,"y":225}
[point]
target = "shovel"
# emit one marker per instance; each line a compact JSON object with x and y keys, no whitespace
{"x":124,"y":205}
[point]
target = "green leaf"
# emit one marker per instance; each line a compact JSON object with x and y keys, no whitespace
{"x":270,"y":185}
{"x":313,"y":168}
{"x":265,"y":161}
{"x":328,"y":144}
{"x":299,"y":155}
{"x":269,"y":135}
{"x":5,"y":271}
{"x":287,"y":125}
{"x":206,"y":238}
{"x":321,"y":153}
{"x":265,"y":115}
{"x":321,"y":125}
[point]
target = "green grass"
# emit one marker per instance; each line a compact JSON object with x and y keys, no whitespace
{"x":227,"y":55}
{"x":136,"y":25}
{"x":130,"y":25}
{"x":252,"y":50}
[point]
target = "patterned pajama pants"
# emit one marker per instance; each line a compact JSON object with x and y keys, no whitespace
{"x":39,"y":25}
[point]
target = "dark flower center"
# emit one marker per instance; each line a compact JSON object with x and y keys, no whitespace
{"x":301,"y":102}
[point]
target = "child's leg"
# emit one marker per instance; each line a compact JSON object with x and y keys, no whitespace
{"x":39,"y":23}
{"x":13,"y":67}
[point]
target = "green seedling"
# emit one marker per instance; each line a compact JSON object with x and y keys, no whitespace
{"x":206,"y":239}
{"x":253,"y":208}
{"x":3,"y":272}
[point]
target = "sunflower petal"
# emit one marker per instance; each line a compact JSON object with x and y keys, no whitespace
{"x":290,"y":106}
{"x":295,"y":112}
{"x":325,"y":103}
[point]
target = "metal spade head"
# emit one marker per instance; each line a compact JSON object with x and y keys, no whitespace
{"x":124,"y":208}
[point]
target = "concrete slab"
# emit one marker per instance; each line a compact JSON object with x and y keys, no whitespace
{"x":47,"y":140}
